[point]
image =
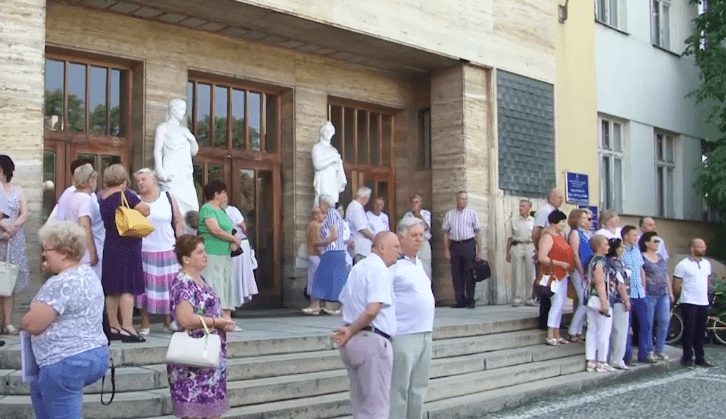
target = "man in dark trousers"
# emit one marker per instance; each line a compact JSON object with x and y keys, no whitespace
{"x":462,"y":244}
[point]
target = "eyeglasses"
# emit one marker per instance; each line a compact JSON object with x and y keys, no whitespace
{"x":656,"y":241}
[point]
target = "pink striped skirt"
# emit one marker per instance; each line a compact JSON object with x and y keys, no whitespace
{"x":160,"y":269}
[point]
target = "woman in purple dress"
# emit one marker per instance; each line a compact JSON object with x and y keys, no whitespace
{"x":122,"y":275}
{"x":197,"y":391}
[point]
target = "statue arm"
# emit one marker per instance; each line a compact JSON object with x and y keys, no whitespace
{"x":193,"y":145}
{"x":158,"y":152}
{"x":322,"y":160}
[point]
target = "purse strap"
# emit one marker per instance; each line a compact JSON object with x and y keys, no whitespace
{"x":204,"y":325}
{"x":124,"y":202}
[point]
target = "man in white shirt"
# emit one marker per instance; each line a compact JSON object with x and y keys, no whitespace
{"x":377,"y":219}
{"x":355,"y":215}
{"x":462,"y":247}
{"x":519,"y":251}
{"x":414,"y":303}
{"x":646,"y":225}
{"x":369,"y":318}
{"x":415,"y":204}
{"x":691,"y":279}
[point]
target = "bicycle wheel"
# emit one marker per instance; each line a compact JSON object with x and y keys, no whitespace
{"x":718,"y":328}
{"x":675,"y":328}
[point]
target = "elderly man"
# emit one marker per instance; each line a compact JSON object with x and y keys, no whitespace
{"x":369,"y":318}
{"x":414,"y":303}
{"x":519,"y":252}
{"x":462,"y":244}
{"x":646,"y":225}
{"x":415,"y":205}
{"x":691,"y":280}
{"x":355,"y":215}
{"x":377,"y":219}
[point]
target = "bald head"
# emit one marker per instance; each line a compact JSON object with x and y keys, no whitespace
{"x":698,"y":247}
{"x":555,"y":197}
{"x":387,"y":246}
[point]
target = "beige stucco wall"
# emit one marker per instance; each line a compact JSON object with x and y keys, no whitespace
{"x":515,"y":35}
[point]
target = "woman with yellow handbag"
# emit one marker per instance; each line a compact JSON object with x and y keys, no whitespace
{"x":122,"y":275}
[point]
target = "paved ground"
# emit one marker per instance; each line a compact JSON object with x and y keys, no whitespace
{"x":696,"y":393}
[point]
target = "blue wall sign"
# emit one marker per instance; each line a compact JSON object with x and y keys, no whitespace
{"x":577,"y":188}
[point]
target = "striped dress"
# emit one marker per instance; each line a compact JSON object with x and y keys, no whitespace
{"x":158,"y":258}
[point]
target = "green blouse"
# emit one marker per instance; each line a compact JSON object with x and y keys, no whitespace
{"x":212,"y":244}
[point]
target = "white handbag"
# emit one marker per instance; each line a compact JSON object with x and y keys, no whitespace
{"x":195,"y":352}
{"x":594,"y":302}
{"x":8,"y":275}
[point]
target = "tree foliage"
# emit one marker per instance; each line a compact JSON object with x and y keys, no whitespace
{"x":708,"y":46}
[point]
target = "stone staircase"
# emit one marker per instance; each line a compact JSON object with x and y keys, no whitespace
{"x":301,"y":376}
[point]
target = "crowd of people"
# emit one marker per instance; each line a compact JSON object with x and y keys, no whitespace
{"x":378,"y":280}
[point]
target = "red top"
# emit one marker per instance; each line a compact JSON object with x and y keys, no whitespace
{"x":562,"y":252}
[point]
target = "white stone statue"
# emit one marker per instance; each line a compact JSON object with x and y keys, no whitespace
{"x":174,"y":147}
{"x":329,"y":174}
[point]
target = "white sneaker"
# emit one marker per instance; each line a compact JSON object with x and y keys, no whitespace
{"x":590,"y":366}
{"x":621,"y":366}
{"x":661,"y":356}
{"x":603,"y":367}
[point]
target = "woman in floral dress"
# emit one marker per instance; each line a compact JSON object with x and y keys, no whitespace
{"x":197,"y":391}
{"x":13,"y":236}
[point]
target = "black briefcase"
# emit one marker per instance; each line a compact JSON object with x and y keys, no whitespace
{"x":481,"y":270}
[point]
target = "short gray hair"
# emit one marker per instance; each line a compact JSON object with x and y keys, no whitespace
{"x":65,"y":237}
{"x":327,"y":199}
{"x":83,"y":175}
{"x":406,"y":223}
{"x":363,"y":191}
{"x":147,"y":171}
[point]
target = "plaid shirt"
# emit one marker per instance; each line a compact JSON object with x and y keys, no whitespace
{"x":633,"y":260}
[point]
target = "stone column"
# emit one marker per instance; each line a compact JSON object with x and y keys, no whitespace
{"x":310,"y":110}
{"x":22,"y":48}
{"x":461,"y":145}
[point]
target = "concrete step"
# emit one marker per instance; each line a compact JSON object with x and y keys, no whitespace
{"x":487,"y":343}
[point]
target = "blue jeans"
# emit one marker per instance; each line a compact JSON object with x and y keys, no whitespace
{"x":659,"y":311}
{"x":58,"y":392}
{"x":639,"y":310}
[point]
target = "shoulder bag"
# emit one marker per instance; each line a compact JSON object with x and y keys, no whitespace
{"x":195,"y":352}
{"x":8,"y":274}
{"x":130,"y":222}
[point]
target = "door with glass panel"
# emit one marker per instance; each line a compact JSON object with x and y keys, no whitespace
{"x":238,"y":129}
{"x":87,"y":111}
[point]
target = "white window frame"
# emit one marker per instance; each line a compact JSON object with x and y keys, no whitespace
{"x":665,"y":170}
{"x":660,"y":23}
{"x":611,"y":13}
{"x":610,"y":147}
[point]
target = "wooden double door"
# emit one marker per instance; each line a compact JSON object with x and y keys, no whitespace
{"x":254,"y":188}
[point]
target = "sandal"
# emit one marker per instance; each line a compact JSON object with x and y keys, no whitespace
{"x":563,"y":341}
{"x":131,"y":337}
{"x":551,"y":341}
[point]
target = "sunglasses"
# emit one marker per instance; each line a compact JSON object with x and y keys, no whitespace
{"x":656,"y":241}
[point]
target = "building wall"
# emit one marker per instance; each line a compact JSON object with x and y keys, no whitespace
{"x":21,"y":107}
{"x":514,"y":35}
{"x":646,"y":88}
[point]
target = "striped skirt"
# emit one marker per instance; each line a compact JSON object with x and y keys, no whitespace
{"x":160,"y":269}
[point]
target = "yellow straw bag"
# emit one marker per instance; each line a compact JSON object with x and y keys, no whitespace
{"x":130,"y":222}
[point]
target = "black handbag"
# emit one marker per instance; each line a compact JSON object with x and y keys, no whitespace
{"x":481,"y":270}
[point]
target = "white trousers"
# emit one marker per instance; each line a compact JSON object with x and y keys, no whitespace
{"x":598,"y":336}
{"x":522,"y":271}
{"x":619,"y":335}
{"x":410,"y":378}
{"x":578,"y":318}
{"x":554,"y":318}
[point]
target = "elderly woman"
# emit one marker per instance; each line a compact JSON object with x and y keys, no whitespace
{"x":609,"y":225}
{"x":215,"y":227}
{"x":78,"y":206}
{"x":556,"y":261}
{"x":12,"y":237}
{"x":314,"y":244}
{"x":122,"y":273}
{"x":332,"y":272}
{"x":197,"y":391}
{"x":579,"y":221}
{"x":65,"y":322}
{"x":158,"y":260}
{"x":658,"y":292}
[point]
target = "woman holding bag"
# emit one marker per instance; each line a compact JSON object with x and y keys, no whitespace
{"x":197,"y":391}
{"x":555,"y":255}
{"x":122,"y":275}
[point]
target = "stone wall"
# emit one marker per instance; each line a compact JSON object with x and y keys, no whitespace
{"x":22,"y":34}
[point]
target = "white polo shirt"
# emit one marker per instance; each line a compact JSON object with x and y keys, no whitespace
{"x":370,"y":281}
{"x":414,"y":300}
{"x":355,"y":215}
{"x":378,"y":222}
{"x":695,"y":280}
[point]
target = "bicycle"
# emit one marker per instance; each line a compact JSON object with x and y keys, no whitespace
{"x":715,"y":323}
